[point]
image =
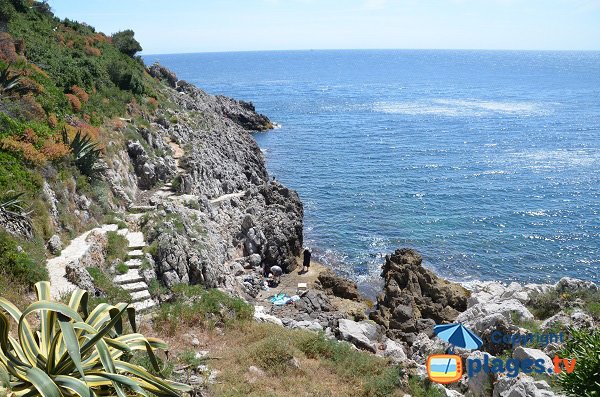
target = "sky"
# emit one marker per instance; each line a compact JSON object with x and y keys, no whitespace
{"x":184,"y":26}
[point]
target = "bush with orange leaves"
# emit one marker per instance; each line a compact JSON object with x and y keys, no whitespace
{"x":74,"y":102}
{"x":153,"y":103}
{"x":8,"y":51}
{"x":85,"y":128}
{"x":52,"y":120}
{"x":26,"y":145}
{"x":92,"y":51}
{"x":24,"y":149}
{"x":80,"y":93}
{"x":54,"y":150}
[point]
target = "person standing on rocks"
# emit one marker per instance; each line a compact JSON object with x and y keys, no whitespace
{"x":306,"y":263}
{"x":276,"y":273}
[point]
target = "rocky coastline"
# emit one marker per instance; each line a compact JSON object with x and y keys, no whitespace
{"x":227,"y":223}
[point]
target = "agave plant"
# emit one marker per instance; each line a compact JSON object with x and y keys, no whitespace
{"x":8,"y":84}
{"x":76,"y":353}
{"x":11,"y":202}
{"x":85,"y":152}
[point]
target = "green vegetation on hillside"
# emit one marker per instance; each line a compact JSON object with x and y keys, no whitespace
{"x":64,"y":88}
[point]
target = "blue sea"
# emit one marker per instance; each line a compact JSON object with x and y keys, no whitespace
{"x":486,"y":162}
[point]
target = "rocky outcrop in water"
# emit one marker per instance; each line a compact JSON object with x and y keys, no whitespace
{"x":414,"y":299}
{"x":339,"y":286}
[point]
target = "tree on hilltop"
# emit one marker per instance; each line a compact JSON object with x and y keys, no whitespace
{"x":126,"y":43}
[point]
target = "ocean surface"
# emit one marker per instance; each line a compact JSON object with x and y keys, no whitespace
{"x":486,"y":162}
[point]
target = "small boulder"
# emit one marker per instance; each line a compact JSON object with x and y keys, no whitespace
{"x":361,"y":334}
{"x":54,"y":245}
{"x":481,"y":382}
{"x":568,"y":284}
{"x":521,"y":353}
{"x":394,"y":351}
{"x":339,"y":286}
{"x":79,"y":276}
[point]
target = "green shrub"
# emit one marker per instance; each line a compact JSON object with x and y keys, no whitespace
{"x":349,"y":363}
{"x":273,"y":354}
{"x":545,"y":305}
{"x":156,"y":288}
{"x":584,"y":346}
{"x":112,"y":292}
{"x":116,"y":248}
{"x":17,"y":263}
{"x":121,"y":268}
{"x":423,"y":388}
{"x":196,"y":306}
{"x":126,"y":42}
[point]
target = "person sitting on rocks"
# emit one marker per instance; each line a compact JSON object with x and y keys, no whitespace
{"x":275,"y":275}
{"x":306,"y":262}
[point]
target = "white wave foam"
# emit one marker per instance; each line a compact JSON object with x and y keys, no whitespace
{"x":460,"y":107}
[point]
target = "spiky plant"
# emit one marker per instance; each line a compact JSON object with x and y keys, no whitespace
{"x":85,"y":152}
{"x":8,"y":84}
{"x":11,"y":202}
{"x":75,"y":352}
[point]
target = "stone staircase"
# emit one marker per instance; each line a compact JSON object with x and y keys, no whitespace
{"x":132,"y":281}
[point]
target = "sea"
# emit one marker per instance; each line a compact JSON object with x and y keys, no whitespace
{"x":486,"y":162}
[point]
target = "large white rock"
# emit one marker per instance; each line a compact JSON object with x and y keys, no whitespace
{"x":361,"y":334}
{"x":481,"y":382}
{"x":562,"y":320}
{"x":568,"y":284}
{"x":506,"y":308}
{"x":394,"y":351}
{"x":423,"y":347}
{"x":515,"y":291}
{"x":521,"y":386}
{"x":261,"y":316}
{"x":308,"y":325}
{"x":522,"y":353}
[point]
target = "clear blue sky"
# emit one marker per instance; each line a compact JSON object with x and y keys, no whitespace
{"x":178,"y":26}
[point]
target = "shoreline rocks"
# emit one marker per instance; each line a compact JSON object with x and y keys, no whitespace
{"x":414,"y":298}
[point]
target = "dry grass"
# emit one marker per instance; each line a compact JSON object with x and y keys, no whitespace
{"x":325,"y":368}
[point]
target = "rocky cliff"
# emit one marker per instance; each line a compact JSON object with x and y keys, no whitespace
{"x":229,"y":214}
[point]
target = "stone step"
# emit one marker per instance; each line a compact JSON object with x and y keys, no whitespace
{"x":132,"y":276}
{"x":122,"y":232}
{"x":136,"y":240}
{"x":139,"y":296}
{"x":141,"y":208}
{"x":136,"y":254}
{"x":135,"y":287}
{"x":144,"y":305}
{"x":134,"y":263}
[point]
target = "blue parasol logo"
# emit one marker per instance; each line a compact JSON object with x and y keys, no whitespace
{"x":458,"y":335}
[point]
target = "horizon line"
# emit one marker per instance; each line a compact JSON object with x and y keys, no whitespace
{"x":372,"y":49}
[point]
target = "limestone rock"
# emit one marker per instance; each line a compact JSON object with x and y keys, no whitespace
{"x":79,"y":276}
{"x":261,"y":316}
{"x":339,"y":286}
{"x":55,"y":244}
{"x":394,"y":351}
{"x":16,"y":224}
{"x":520,"y":386}
{"x":522,"y":353}
{"x":473,"y":316}
{"x":413,"y":293}
{"x":361,"y":334}
{"x":568,"y":284}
